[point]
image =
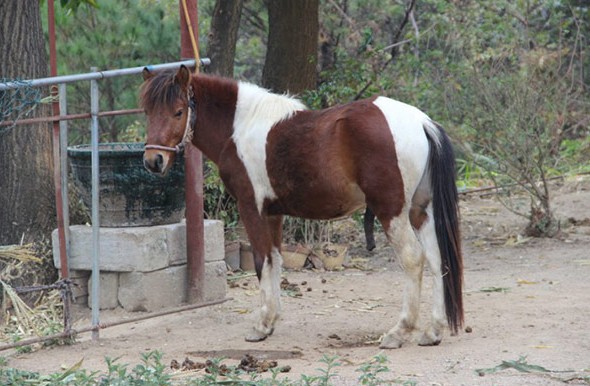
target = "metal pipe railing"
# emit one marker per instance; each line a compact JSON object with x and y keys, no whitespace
{"x":69,"y":117}
{"x":97,"y":75}
{"x":94,"y":114}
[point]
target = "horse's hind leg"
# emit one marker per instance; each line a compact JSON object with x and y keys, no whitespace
{"x":401,"y":235}
{"x":426,"y":233}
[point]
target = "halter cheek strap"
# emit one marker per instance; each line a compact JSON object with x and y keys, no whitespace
{"x":188,"y":129}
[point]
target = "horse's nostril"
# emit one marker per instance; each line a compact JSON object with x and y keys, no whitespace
{"x":159,"y":162}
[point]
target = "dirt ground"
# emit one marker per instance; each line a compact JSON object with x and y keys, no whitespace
{"x":524,"y":298}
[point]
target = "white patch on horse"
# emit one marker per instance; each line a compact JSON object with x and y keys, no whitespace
{"x":257,"y":111}
{"x":407,"y":127}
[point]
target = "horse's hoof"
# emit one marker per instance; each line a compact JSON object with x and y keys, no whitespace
{"x":430,"y":338}
{"x":427,"y":340}
{"x":391,"y":341}
{"x":257,"y":336}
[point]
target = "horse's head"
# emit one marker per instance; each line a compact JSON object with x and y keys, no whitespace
{"x":167,"y":100}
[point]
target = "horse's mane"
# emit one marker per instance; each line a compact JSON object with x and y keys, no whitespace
{"x":254,"y":103}
{"x":159,"y":89}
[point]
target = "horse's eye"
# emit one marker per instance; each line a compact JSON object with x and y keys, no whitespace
{"x":178,"y":114}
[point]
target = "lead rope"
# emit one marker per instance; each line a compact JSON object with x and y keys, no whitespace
{"x":188,"y":132}
{"x":192,"y":36}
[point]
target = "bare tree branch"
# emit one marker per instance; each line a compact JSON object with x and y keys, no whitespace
{"x":394,"y":47}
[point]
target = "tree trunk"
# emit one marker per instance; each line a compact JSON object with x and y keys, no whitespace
{"x":27,"y":203}
{"x":291,"y":55}
{"x":223,"y":37}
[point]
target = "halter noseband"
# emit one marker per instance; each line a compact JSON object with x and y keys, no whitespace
{"x":188,"y":130}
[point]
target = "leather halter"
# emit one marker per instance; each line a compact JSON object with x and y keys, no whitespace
{"x":188,"y":130}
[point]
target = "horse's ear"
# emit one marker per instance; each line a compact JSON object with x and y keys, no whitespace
{"x":146,"y":73}
{"x":183,"y":77}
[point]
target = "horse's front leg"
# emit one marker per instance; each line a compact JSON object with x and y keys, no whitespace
{"x":270,"y":301}
{"x":265,"y":240}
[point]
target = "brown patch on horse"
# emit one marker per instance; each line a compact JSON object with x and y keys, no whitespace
{"x":420,"y":201}
{"x":215,"y":100}
{"x":417,"y":216}
{"x":338,"y":140}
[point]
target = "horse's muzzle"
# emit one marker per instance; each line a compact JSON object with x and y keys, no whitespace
{"x":155,"y":163}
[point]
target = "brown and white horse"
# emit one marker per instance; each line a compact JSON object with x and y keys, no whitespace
{"x":278,"y":158}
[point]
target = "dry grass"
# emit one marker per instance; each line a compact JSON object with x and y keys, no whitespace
{"x":30,"y":314}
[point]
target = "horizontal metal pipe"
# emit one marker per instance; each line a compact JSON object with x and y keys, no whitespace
{"x":71,"y":333}
{"x":96,"y":75}
{"x":70,"y":117}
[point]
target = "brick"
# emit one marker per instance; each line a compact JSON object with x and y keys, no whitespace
{"x":215,"y":287}
{"x":143,"y":249}
{"x":152,"y":291}
{"x":214,"y":242}
{"x":80,"y":286}
{"x":120,"y":249}
{"x":108,"y":291}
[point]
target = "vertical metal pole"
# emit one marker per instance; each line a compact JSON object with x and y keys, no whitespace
{"x":95,"y":202}
{"x":58,"y":170}
{"x":193,"y":169}
{"x":63,"y":144}
{"x":65,"y":206}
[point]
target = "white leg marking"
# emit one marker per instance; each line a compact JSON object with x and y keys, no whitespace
{"x":402,"y":237}
{"x":270,"y":298}
{"x":427,"y":236}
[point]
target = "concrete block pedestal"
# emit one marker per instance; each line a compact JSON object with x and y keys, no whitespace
{"x":144,"y":268}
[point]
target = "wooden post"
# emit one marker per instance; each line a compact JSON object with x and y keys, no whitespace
{"x":193,"y":161}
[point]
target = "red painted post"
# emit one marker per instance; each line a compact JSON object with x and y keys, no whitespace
{"x":193,"y":168}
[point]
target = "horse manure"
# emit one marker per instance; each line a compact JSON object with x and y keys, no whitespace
{"x":187,"y":365}
{"x":250,"y":364}
{"x":324,"y":281}
{"x":222,"y":369}
{"x":286,"y":286}
{"x":304,"y":282}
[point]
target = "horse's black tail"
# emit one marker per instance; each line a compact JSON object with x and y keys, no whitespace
{"x":445,"y":206}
